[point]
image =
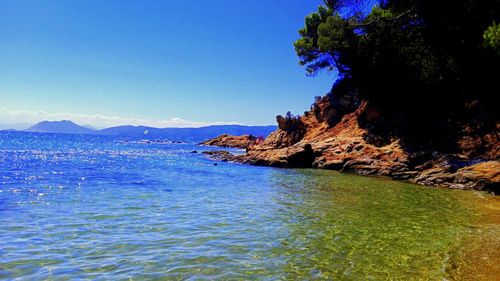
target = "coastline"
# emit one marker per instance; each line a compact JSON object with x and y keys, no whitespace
{"x":477,"y":182}
{"x":347,"y":145}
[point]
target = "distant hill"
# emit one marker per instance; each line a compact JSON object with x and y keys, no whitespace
{"x":185,"y":134}
{"x":61,"y":127}
{"x":15,"y":126}
{"x":192,"y":134}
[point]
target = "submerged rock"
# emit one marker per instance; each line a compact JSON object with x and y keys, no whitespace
{"x":219,"y":155}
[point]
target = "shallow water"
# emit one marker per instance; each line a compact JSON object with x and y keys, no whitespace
{"x":92,"y":207}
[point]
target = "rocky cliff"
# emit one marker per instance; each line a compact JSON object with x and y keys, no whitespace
{"x":349,"y":138}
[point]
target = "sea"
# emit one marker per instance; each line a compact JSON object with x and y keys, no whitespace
{"x":83,"y":207}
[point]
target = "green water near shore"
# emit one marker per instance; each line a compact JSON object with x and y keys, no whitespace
{"x":360,"y":228}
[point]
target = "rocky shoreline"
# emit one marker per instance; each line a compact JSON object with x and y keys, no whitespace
{"x":310,"y":141}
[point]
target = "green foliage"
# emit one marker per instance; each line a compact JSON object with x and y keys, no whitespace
{"x":492,"y":37}
{"x":404,"y":49}
{"x":307,"y":46}
{"x":333,"y":34}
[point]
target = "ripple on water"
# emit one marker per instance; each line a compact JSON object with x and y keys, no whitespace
{"x":115,"y":210}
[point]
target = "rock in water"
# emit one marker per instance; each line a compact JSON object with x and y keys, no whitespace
{"x":226,"y":140}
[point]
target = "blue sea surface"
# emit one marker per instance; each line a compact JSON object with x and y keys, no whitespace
{"x":104,"y":207}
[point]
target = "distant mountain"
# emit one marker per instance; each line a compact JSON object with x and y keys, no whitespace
{"x":188,"y":134}
{"x":185,"y":134}
{"x":15,"y":126}
{"x":61,"y":127}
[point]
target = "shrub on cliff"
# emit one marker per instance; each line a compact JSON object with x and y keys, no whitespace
{"x":492,"y":37}
{"x":292,"y":126}
{"x":290,"y":122}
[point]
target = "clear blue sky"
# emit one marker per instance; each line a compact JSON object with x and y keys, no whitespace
{"x":205,"y":61}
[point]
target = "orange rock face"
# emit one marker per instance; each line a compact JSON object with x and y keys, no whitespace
{"x":231,"y":141}
{"x":344,"y":145}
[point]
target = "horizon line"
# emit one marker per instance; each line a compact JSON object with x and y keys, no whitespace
{"x":99,"y":121}
{"x":117,"y":126}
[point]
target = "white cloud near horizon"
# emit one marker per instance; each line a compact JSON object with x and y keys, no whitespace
{"x":98,"y":121}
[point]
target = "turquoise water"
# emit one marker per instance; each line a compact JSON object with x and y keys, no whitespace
{"x":98,"y":208}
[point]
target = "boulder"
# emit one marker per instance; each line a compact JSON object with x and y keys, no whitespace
{"x":226,"y":140}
